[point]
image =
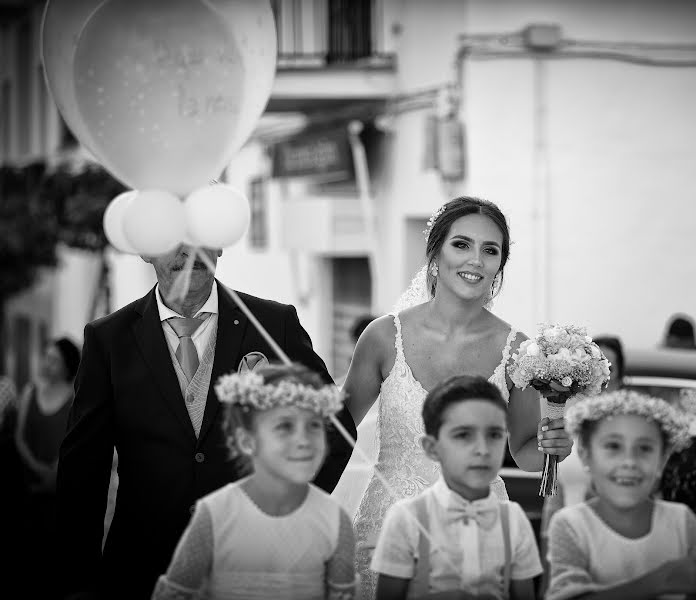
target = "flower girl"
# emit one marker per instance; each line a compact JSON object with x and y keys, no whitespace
{"x":623,"y":543}
{"x":272,"y":534}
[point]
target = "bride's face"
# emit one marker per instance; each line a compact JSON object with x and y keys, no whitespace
{"x":470,"y":257}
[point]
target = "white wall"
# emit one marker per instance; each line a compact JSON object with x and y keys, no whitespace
{"x":620,"y":166}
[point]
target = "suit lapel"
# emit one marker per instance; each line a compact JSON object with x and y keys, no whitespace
{"x":153,"y":345}
{"x":231,"y":327}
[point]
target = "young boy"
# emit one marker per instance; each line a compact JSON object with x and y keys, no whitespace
{"x":456,"y":539}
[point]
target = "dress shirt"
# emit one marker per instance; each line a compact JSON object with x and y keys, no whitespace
{"x":462,"y":555}
{"x":201,"y":336}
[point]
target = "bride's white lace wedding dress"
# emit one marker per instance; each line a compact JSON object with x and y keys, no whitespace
{"x":401,"y":460}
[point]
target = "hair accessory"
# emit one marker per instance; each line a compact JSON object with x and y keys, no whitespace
{"x":248,"y":391}
{"x":431,"y":221}
{"x":673,"y":422}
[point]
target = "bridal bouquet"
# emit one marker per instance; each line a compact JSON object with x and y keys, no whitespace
{"x":560,"y":362}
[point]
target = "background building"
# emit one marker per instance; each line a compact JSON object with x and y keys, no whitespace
{"x":575,"y":117}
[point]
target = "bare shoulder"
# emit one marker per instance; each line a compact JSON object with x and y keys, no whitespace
{"x":502,"y":330}
{"x":379,"y":334}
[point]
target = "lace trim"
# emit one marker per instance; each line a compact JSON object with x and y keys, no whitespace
{"x":398,"y":340}
{"x":499,"y":373}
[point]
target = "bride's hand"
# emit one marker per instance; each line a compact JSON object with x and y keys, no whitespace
{"x":553,"y":438}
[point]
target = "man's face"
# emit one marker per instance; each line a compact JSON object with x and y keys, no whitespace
{"x":169,"y":266}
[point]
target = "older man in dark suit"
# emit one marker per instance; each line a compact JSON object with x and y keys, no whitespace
{"x":145,"y":386}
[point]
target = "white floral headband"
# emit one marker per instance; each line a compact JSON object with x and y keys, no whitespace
{"x":673,"y":423}
{"x":431,"y":221}
{"x":248,"y":390}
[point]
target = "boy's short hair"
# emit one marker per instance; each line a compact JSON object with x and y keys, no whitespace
{"x":457,"y":389}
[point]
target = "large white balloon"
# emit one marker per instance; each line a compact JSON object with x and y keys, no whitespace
{"x":61,"y":26}
{"x":252,"y":24}
{"x":170,"y":89}
{"x":113,"y":222}
{"x":154,"y":222}
{"x":216,"y":216}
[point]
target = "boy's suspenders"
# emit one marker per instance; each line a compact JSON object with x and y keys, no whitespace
{"x":505,"y":523}
{"x":420,"y":584}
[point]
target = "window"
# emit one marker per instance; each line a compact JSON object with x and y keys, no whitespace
{"x":350,"y":30}
{"x":258,"y":204}
{"x":42,"y":108}
{"x":6,"y":120}
{"x":24,"y":86}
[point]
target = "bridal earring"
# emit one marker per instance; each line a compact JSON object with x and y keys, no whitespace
{"x":434,"y":270}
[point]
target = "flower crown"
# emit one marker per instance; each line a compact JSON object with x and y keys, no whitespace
{"x":431,"y":221}
{"x":673,"y":422}
{"x":248,"y":391}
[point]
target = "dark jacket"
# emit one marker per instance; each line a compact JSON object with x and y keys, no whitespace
{"x":127,"y":396}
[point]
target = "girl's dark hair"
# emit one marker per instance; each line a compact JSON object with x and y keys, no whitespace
{"x":680,"y":333}
{"x":453,"y":210}
{"x":457,"y":389}
{"x":235,"y":416}
{"x":70,"y":354}
{"x":613,"y":343}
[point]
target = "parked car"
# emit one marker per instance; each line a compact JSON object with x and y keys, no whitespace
{"x":659,"y":372}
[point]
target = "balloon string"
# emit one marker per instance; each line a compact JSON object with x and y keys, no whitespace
{"x":243,"y":307}
{"x":336,"y":423}
{"x":182,"y":282}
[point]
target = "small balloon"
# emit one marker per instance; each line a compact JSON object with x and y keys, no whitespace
{"x":154,"y":222}
{"x":113,"y":222}
{"x":216,"y":216}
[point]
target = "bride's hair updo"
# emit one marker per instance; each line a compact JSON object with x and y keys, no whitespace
{"x":448,"y":214}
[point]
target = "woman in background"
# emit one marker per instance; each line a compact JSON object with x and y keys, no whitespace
{"x":41,"y":423}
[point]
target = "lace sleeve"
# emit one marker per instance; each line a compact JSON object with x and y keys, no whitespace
{"x":340,"y":569}
{"x":569,"y":562}
{"x":192,"y":559}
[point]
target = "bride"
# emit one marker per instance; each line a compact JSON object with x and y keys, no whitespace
{"x":441,"y":328}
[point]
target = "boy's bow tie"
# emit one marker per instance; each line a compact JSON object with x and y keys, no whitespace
{"x":484,"y":514}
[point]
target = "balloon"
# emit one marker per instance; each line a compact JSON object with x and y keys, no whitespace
{"x":154,"y":222}
{"x":113,"y":222}
{"x":252,"y":23}
{"x":216,"y":216}
{"x":161,"y":86}
{"x":62,"y":23}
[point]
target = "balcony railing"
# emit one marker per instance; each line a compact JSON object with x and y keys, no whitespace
{"x":328,"y":33}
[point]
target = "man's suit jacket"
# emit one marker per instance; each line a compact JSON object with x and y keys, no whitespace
{"x":127,"y":395}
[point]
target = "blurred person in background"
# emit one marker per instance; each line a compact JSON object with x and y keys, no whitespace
{"x":678,"y":482}
{"x":11,"y":498}
{"x":573,"y":479}
{"x":680,"y":333}
{"x":41,"y":423}
{"x":356,"y":330}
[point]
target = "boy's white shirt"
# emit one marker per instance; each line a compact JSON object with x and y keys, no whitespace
{"x":462,"y":555}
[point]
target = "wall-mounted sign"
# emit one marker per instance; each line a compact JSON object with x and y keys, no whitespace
{"x":325,"y":155}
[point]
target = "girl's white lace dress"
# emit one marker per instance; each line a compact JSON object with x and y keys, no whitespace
{"x":401,"y":460}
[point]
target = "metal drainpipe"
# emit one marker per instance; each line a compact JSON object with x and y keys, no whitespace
{"x":541,"y":202}
{"x":362,"y":177}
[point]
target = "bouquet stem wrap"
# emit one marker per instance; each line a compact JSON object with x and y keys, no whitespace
{"x":549,"y":476}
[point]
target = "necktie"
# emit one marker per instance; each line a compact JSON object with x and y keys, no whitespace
{"x":485,"y":514}
{"x":186,"y":352}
